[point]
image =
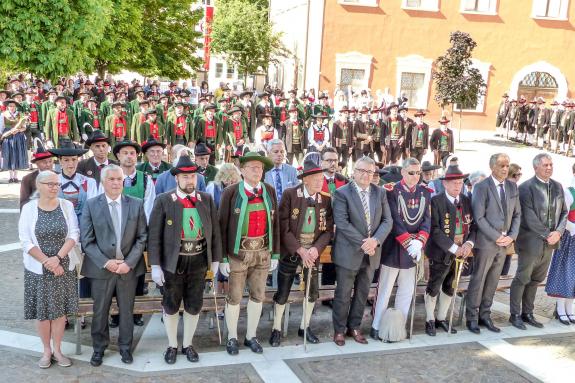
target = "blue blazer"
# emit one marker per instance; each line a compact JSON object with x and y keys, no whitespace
{"x":288,"y":175}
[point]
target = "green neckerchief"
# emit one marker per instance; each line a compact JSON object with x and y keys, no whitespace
{"x":241,"y":204}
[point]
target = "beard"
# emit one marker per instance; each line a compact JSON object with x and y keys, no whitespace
{"x":188,"y":189}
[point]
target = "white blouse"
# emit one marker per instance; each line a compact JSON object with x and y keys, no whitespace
{"x":28,"y":240}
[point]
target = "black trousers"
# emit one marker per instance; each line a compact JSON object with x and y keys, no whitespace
{"x":417,"y":153}
{"x":531,"y":270}
{"x":124,"y":286}
{"x":186,"y":284}
{"x":347,"y":309}
{"x":287,"y":270}
{"x":440,"y":277}
{"x":328,"y":274}
{"x":344,"y":153}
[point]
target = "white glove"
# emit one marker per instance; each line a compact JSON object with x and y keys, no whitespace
{"x":49,"y":144}
{"x":416,"y":245}
{"x":158,"y":275}
{"x":225,"y":269}
{"x":273,"y":264}
{"x":215,"y":267}
{"x":84,"y":136}
{"x":417,"y":256}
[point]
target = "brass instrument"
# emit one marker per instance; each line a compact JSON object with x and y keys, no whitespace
{"x":459,"y":266}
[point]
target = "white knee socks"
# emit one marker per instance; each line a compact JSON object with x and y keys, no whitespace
{"x":254,"y":313}
{"x":232,"y":314}
{"x":309,"y":307}
{"x":429,"y":307}
{"x":171,"y":324}
{"x":278,"y":315}
{"x":569,"y":306}
{"x":444,"y":303}
{"x":190,"y":324}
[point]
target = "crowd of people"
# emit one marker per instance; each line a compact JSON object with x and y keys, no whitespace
{"x":85,"y":229}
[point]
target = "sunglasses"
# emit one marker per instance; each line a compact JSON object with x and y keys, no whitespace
{"x":414,"y":173}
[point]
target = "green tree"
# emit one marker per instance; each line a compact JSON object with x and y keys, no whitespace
{"x":243,"y":34}
{"x":51,"y":38}
{"x":456,"y":80}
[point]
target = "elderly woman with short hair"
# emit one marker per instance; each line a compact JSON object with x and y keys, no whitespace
{"x":48,"y":231}
{"x":226,"y":176}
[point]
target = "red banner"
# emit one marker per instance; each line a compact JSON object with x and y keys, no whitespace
{"x":207,"y":28}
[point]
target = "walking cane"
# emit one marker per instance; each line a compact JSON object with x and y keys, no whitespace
{"x":213,"y":276}
{"x":459,"y":264}
{"x":306,"y":298}
{"x":413,"y":302}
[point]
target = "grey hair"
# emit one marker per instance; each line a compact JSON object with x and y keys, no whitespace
{"x":176,"y":149}
{"x":111,"y":168}
{"x":228,"y":172}
{"x":275,"y":141}
{"x":476,"y":176}
{"x":182,"y":151}
{"x":43,"y":175}
{"x":539,"y":158}
{"x":493,"y":159}
{"x":365,"y":159}
{"x":409,"y":162}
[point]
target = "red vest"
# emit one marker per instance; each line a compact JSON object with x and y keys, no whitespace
{"x":258,"y":220}
{"x":318,"y":135}
{"x":154,"y":130}
{"x":237,"y":129}
{"x":119,"y":127}
{"x":181,"y":125}
{"x":62,"y":121}
{"x":95,"y":121}
{"x":33,"y":113}
{"x":210,"y":129}
{"x":283,"y":115}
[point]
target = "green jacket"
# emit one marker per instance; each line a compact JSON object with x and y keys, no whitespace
{"x":44,"y":108}
{"x":171,"y":129}
{"x":199,"y":129}
{"x":88,"y":117}
{"x":229,"y":136}
{"x":51,"y":127}
{"x":144,"y":132}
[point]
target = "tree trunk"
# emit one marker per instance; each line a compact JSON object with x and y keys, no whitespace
{"x":459,"y":134}
{"x":101,"y":69}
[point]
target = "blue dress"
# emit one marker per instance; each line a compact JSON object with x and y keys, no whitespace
{"x":561,"y":278}
{"x":14,"y":148}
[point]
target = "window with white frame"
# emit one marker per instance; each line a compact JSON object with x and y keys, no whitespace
{"x":479,"y":106}
{"x":488,"y":7}
{"x":421,"y":5}
{"x":365,"y":3}
{"x":413,"y":79}
{"x":550,"y":9}
{"x":352,"y":68}
{"x":219,"y":70}
{"x":230,"y":72}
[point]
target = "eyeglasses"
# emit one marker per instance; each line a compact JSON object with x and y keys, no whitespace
{"x":52,"y":184}
{"x":365,"y":172}
{"x":414,"y":173}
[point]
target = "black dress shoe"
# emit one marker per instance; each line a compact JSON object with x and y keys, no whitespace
{"x":563,"y":319}
{"x":444,"y":324}
{"x":275,"y":338}
{"x":233,"y":347}
{"x":488,"y":323}
{"x":126,"y":356}
{"x":517,"y":322}
{"x":170,"y":355}
{"x":310,"y":336}
{"x":96,"y":359}
{"x":253,"y":345}
{"x":138,"y":320}
{"x":191,"y":354}
{"x":374,"y":334}
{"x":530,"y":319}
{"x":328,"y":303}
{"x":571,"y":318}
{"x":430,"y":328}
{"x":473,"y":326}
{"x":114,"y":321}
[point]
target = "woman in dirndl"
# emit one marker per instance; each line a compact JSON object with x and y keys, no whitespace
{"x":561,"y":278}
{"x":13,"y":137}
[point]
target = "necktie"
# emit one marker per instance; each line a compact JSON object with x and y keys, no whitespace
{"x":310,"y":201}
{"x":278,"y":181}
{"x":192,"y":200}
{"x":129,"y":182}
{"x":456,"y":203}
{"x":117,"y":228}
{"x":365,"y":203}
{"x":102,"y":166}
{"x":503,"y":200}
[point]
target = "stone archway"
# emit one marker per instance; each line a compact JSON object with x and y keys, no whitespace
{"x":538,"y":84}
{"x":527,"y":73}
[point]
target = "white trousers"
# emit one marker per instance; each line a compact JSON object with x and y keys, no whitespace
{"x":405,"y":284}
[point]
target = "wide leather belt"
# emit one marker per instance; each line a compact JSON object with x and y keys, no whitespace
{"x":254,"y":243}
{"x":306,"y":240}
{"x":189,"y":247}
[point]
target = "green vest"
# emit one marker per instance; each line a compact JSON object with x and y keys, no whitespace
{"x":458,"y":222}
{"x":309,"y":221}
{"x":138,"y":190}
{"x":192,"y":224}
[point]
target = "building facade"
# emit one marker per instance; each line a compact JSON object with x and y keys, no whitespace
{"x":524,"y":47}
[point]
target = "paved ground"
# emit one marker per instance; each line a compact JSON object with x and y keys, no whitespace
{"x":511,"y":356}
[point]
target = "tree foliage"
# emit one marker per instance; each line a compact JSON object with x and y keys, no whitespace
{"x":51,"y":38}
{"x":244,"y":35}
{"x":456,"y":80}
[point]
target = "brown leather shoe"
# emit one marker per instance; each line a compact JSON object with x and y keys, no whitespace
{"x":357,"y":336}
{"x":339,"y":339}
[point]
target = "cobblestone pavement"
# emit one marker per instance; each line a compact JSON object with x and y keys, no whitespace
{"x":433,"y":364}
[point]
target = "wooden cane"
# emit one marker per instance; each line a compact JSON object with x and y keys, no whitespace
{"x":413,"y":302}
{"x":306,"y":298}
{"x":459,"y":264}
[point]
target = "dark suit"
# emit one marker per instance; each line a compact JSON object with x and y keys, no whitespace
{"x":99,"y":243}
{"x":543,"y":211}
{"x":89,"y":168}
{"x":354,"y":268}
{"x":491,"y":222}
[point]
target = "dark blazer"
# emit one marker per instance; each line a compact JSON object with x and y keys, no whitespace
{"x":99,"y":239}
{"x":436,"y":135}
{"x":443,"y":215}
{"x":351,"y":227}
{"x":411,"y":136}
{"x":89,"y":168}
{"x":533,"y":230}
{"x":164,"y":236}
{"x":488,"y":212}
{"x":28,"y":187}
{"x":292,"y":211}
{"x":229,"y":217}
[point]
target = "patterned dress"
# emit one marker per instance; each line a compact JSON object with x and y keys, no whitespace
{"x":46,"y":296}
{"x":14,"y":149}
